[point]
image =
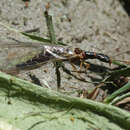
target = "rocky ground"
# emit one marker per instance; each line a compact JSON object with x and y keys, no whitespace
{"x":93,"y":25}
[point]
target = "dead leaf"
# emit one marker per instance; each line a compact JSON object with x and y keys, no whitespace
{"x":126,"y":100}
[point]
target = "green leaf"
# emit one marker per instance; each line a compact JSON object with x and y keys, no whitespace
{"x":26,"y":106}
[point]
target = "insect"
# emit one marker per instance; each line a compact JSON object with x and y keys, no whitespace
{"x":40,"y":54}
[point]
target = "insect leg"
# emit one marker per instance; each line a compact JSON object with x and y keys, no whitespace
{"x":81,"y":64}
{"x":75,"y":69}
{"x":87,"y":65}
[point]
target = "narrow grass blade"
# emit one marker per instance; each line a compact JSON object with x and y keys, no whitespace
{"x":117,"y":93}
{"x":40,"y":39}
{"x":118,"y":63}
{"x":50,"y":28}
{"x":119,"y":98}
{"x":122,"y":72}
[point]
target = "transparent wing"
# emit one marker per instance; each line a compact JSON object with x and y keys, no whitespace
{"x":12,"y":54}
{"x":22,"y":56}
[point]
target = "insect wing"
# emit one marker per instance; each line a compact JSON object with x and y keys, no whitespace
{"x":25,"y":56}
{"x":12,"y":54}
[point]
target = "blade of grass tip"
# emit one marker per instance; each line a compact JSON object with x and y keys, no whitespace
{"x":118,"y":92}
{"x":119,"y":98}
{"x":50,"y":27}
{"x":51,"y":31}
{"x":33,"y":37}
{"x":40,"y":39}
{"x":117,"y":73}
{"x":118,"y":63}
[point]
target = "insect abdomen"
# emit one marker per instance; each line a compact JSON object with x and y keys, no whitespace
{"x":99,"y":56}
